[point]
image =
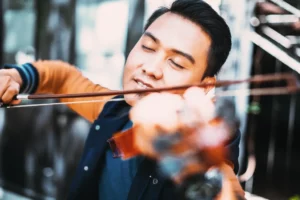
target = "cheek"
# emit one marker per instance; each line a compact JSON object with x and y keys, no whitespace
{"x":127,"y":77}
{"x":127,"y":71}
{"x":175,"y":78}
{"x":194,"y":76}
{"x":130,"y":66}
{"x":134,"y":60}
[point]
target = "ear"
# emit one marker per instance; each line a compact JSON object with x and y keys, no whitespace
{"x":210,"y":80}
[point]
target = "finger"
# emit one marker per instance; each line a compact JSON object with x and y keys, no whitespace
{"x":10,"y":93}
{"x":192,"y":90}
{"x":16,"y":102}
{"x":4,"y":84}
{"x":5,"y":73}
{"x":227,"y":191}
{"x":158,"y":111}
{"x":156,"y":102}
{"x":197,"y":101}
{"x":137,"y":110}
{"x":232,"y":183}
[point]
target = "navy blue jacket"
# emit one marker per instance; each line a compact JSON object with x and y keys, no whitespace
{"x":148,"y":184}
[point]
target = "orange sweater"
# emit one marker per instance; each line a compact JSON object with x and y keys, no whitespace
{"x":62,"y":78}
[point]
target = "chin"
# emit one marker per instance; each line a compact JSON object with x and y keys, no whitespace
{"x":131,"y":99}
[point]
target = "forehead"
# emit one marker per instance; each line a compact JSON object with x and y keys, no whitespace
{"x":174,"y":31}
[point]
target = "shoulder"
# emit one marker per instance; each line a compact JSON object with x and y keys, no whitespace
{"x":115,"y":108}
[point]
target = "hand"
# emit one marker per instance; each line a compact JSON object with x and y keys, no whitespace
{"x":153,"y":115}
{"x":10,"y":83}
{"x":161,"y":113}
{"x":231,"y":188}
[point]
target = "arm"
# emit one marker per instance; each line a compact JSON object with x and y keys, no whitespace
{"x":231,"y":183}
{"x":61,"y":78}
{"x":231,"y":167}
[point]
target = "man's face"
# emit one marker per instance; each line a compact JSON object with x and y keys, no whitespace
{"x":173,"y":51}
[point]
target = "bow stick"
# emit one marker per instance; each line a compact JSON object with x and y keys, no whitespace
{"x":290,"y":79}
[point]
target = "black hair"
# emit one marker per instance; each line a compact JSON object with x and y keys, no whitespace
{"x":210,"y":21}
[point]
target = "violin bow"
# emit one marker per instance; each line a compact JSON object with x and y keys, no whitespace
{"x":290,"y":79}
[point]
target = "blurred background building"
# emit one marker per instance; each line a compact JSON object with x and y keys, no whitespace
{"x":40,"y":147}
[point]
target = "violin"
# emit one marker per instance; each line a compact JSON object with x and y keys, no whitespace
{"x":192,"y":155}
{"x":187,"y":155}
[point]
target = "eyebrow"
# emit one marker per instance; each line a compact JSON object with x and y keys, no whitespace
{"x":156,"y":40}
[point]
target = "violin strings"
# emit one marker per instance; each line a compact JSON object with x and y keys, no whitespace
{"x":237,"y":92}
{"x":65,"y":103}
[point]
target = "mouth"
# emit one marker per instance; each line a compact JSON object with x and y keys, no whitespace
{"x":142,"y":84}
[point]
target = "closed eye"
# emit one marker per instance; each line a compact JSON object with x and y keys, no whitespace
{"x":177,"y":65}
{"x":147,"y":48}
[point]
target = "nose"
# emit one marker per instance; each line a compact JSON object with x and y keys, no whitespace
{"x":154,"y":68}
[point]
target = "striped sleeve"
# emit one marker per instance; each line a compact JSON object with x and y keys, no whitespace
{"x":29,"y":75}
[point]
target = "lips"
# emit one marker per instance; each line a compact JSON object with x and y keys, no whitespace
{"x":143,"y":84}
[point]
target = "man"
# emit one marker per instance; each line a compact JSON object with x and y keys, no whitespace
{"x":185,"y":44}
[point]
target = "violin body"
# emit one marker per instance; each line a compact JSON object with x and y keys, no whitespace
{"x":192,"y":156}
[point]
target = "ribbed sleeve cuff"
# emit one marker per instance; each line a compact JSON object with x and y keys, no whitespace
{"x":29,"y":75}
